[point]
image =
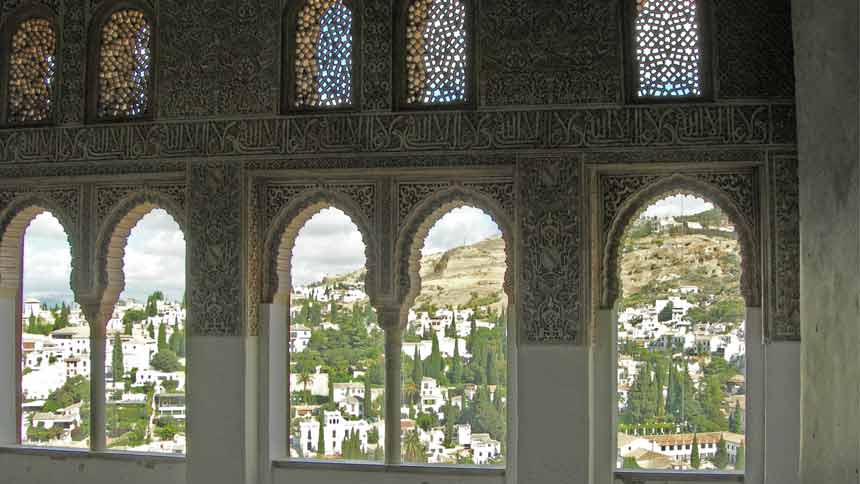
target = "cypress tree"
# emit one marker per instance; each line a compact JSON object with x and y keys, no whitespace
{"x":492,"y":373}
{"x":434,"y":368}
{"x":417,"y":367}
{"x":456,"y":364}
{"x":721,"y":458}
{"x":321,"y":437}
{"x":741,"y":459}
{"x":695,"y":461}
{"x":162,"y":337}
{"x":367,"y":397}
{"x":117,"y":368}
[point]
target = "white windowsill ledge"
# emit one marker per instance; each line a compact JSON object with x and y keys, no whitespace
{"x":468,"y":470}
{"x":703,"y":476}
{"x":61,"y":453}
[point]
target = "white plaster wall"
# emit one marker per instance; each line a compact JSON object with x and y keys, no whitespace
{"x":16,"y":468}
{"x":332,"y":476}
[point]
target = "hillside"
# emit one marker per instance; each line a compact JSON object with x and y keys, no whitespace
{"x":654,"y":263}
{"x":452,"y":278}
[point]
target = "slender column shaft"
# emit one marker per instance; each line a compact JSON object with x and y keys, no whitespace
{"x":97,"y":384}
{"x":393,"y":344}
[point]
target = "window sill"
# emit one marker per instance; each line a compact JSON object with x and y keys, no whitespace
{"x":467,"y":470}
{"x":636,"y":476}
{"x":61,"y":453}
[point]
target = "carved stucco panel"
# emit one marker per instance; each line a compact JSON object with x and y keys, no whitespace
{"x":785,"y":250}
{"x":215,"y":234}
{"x":550,"y":289}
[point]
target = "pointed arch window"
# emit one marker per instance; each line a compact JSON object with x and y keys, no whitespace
{"x":321,"y":40}
{"x":30,"y":73}
{"x":437,"y":52}
{"x":669,"y":54}
{"x":122,"y":78}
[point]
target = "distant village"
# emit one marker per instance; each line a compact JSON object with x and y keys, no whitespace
{"x":677,"y":371}
{"x":145,"y":387}
{"x":342,"y":426}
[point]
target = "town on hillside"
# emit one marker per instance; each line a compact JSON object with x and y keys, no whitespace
{"x":454,"y":376}
{"x":145,"y":376}
{"x":681,"y":345}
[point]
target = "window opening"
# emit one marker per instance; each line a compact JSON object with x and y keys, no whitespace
{"x":681,"y":354}
{"x":55,"y":343}
{"x":454,"y":368}
{"x":32,"y":69}
{"x":668,"y":51}
{"x":436,"y":51}
{"x":145,"y":353}
{"x":337,"y":369}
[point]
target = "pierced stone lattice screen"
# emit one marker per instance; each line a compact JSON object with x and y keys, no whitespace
{"x":667,"y":48}
{"x":125,"y":65}
{"x":436,"y":51}
{"x":324,"y":54}
{"x":32,"y":70}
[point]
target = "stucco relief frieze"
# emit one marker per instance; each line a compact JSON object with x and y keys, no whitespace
{"x":550,"y":262}
{"x":785,"y":250}
{"x":594,"y":128}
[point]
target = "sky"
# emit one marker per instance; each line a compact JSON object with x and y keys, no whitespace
{"x":677,"y":205}
{"x":154,"y":259}
{"x":328,"y":244}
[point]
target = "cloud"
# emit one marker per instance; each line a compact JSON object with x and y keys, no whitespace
{"x":677,"y":205}
{"x":328,"y":244}
{"x":461,"y":226}
{"x":154,"y":257}
{"x":47,"y":260}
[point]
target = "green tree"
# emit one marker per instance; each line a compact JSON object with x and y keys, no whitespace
{"x":456,"y":364}
{"x":492,"y":373}
{"x":150,"y":330}
{"x":305,"y":379}
{"x":162,"y":337}
{"x":117,"y":368}
{"x":367,"y":398}
{"x":417,"y":367}
{"x":321,"y":437}
{"x":434,"y":365}
{"x":630,"y":463}
{"x":665,"y":313}
{"x":721,"y":458}
{"x":741,"y":459}
{"x":166,"y":361}
{"x":695,"y":460}
{"x":736,"y":419}
{"x":413,"y":449}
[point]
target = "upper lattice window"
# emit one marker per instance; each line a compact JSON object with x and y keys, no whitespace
{"x":32,"y":69}
{"x":668,"y":51}
{"x":323,"y":63}
{"x":125,"y":65}
{"x":436,"y":51}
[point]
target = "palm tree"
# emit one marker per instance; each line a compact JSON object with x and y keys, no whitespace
{"x":413,"y":449}
{"x":305,"y":378}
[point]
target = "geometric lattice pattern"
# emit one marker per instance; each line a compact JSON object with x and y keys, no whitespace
{"x":667,"y":48}
{"x":32,"y":70}
{"x":125,"y":65}
{"x":436,"y":51}
{"x":324,"y":54}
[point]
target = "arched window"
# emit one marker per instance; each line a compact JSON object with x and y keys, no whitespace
{"x":668,"y":49}
{"x":123,"y":74}
{"x":55,"y":342}
{"x":455,"y":346}
{"x":681,"y":340}
{"x":336,"y":346}
{"x":437,"y":52}
{"x":28,"y":72}
{"x":321,"y":41}
{"x":145,"y":342}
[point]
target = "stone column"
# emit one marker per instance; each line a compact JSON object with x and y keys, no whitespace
{"x":390,"y":321}
{"x":97,"y":319}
